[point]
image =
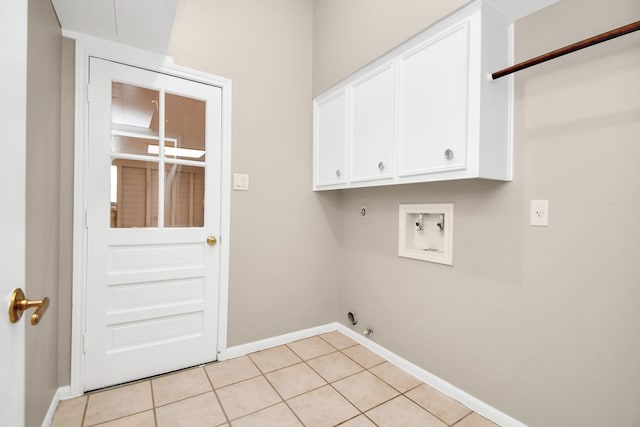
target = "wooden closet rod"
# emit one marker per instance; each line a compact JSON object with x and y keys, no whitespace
{"x":621,"y":31}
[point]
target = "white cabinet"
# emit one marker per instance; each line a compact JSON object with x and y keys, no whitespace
{"x":330,"y":132}
{"x":426,"y":111}
{"x":372,"y":132}
{"x":434,"y":104}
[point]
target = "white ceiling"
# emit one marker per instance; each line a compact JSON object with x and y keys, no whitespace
{"x":145,"y":24}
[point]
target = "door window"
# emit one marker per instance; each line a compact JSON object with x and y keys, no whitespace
{"x":153,"y":131}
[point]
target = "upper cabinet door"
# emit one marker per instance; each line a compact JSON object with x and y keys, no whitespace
{"x":373,"y":129}
{"x":330,"y":140}
{"x":434,"y":80}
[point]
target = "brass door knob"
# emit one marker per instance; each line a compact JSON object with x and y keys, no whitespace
{"x":211,"y":240}
{"x":19,"y":304}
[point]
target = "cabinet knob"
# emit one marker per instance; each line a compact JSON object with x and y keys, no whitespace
{"x":448,"y":154}
{"x":338,"y":173}
{"x":381,"y":166}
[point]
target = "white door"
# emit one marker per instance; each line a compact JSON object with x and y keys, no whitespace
{"x":154,"y":201}
{"x":373,"y":125}
{"x":13,"y":86}
{"x":433,"y":104}
{"x":330,"y":140}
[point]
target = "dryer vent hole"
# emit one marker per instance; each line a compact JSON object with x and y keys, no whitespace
{"x":351,"y":316}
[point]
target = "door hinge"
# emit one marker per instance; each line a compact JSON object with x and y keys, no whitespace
{"x":88,"y":92}
{"x":86,"y":219}
{"x":84,"y":343}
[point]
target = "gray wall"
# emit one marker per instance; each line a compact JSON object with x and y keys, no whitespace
{"x":541,"y":323}
{"x":42,"y":205}
{"x":65,"y":271}
{"x":284,"y":238}
{"x":349,"y":34}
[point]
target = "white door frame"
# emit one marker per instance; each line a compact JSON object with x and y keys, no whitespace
{"x":86,"y":47}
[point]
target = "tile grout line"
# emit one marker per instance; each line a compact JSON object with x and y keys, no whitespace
{"x":215,"y":394}
{"x":460,"y":420}
{"x":183,"y":399}
{"x":303,"y":361}
{"x":400,"y":393}
{"x":304,"y":392}
{"x":119,"y":418}
{"x":342,"y":395}
{"x":84,"y":412}
{"x":470,"y":414}
{"x":153,"y":404}
{"x":364,"y":369}
{"x":123,"y":416}
{"x":353,"y":418}
{"x":339,"y":379}
{"x":323,"y":378}
{"x":426,"y":409}
{"x":295,"y":414}
{"x":372,"y":366}
{"x":413,"y":388}
{"x":262,"y":372}
{"x":373,"y":407}
{"x":404,"y":394}
{"x":263,"y":375}
{"x":284,"y":400}
{"x":331,"y":384}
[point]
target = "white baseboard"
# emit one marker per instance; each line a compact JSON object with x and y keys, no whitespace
{"x":61,"y":394}
{"x":434,"y":381}
{"x":241,"y":350}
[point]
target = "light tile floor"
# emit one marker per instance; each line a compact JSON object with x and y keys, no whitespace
{"x":322,"y":381}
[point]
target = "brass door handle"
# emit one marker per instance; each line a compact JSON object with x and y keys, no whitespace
{"x":19,"y":304}
{"x":211,"y":240}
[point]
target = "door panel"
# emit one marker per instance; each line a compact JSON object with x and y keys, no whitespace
{"x":433,"y":102}
{"x":373,"y":126}
{"x":154,"y":197}
{"x":331,"y":140}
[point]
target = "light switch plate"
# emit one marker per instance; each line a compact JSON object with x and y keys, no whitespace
{"x":240,"y":182}
{"x":539,"y":215}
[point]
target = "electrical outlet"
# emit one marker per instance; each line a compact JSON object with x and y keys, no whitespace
{"x":539,"y":214}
